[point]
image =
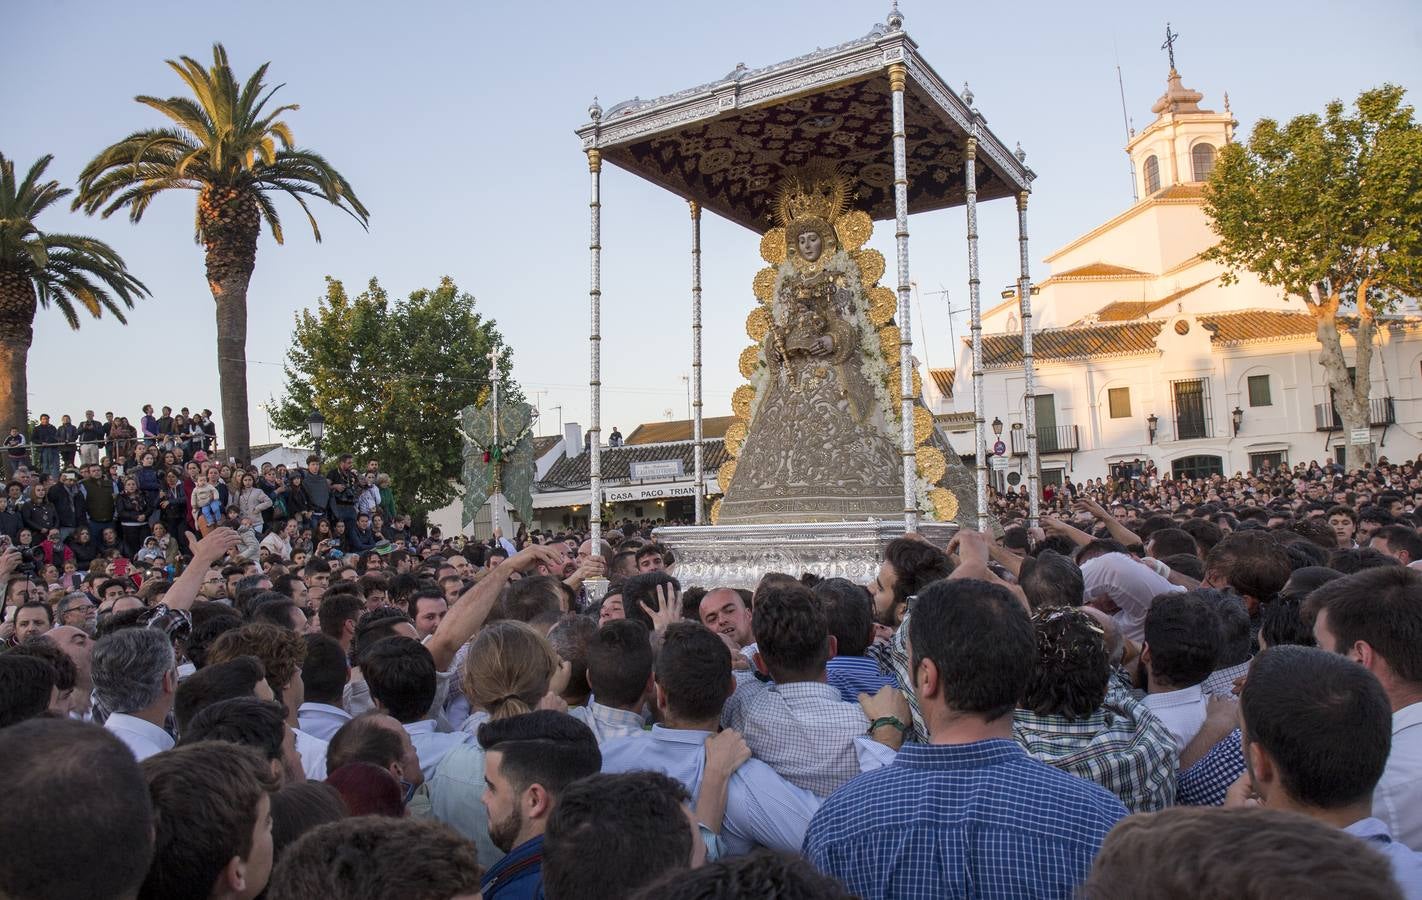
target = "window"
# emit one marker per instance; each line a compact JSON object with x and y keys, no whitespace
{"x":1152,"y":175}
{"x":1271,"y":462}
{"x":1048,"y":438}
{"x":1202,"y":160}
{"x":1259,"y":391}
{"x":1197,"y":467}
{"x":1119,"y":400}
{"x":1192,"y":409}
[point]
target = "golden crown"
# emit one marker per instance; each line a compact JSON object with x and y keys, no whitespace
{"x":819,"y":191}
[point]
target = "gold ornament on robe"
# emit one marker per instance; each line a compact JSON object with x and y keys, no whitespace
{"x":764,"y":285}
{"x":758,"y":323}
{"x":772,"y":246}
{"x":889,"y":337}
{"x":922,"y":424}
{"x":750,"y":359}
{"x":882,"y":305}
{"x":932,"y":464}
{"x":726,"y":473}
{"x":871,"y":266}
{"x":854,"y":229}
{"x":741,"y":401}
{"x":715,"y":510}
{"x":735,"y":437}
{"x":945,"y":504}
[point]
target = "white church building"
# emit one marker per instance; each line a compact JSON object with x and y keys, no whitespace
{"x":1141,"y":353}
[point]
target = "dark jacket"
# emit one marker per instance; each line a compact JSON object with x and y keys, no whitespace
{"x":39,"y":514}
{"x":345,"y":488}
{"x":44,"y":434}
{"x":84,"y":552}
{"x":68,"y":435}
{"x":100,"y":500}
{"x":64,"y":507}
{"x":91,"y":431}
{"x":318,"y":491}
{"x":361,"y":541}
{"x":11,"y":523}
{"x":132,"y":509}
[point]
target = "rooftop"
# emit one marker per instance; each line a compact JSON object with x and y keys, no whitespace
{"x":678,"y":430}
{"x":567,"y":474}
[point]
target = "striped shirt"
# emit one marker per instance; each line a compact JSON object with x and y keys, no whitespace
{"x":981,"y":820}
{"x":1121,"y":746}
{"x":853,"y":675}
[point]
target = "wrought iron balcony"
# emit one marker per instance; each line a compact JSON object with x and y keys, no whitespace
{"x":1050,"y":439}
{"x":1381,"y":411}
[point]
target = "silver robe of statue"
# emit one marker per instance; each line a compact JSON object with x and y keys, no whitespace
{"x":818,"y":449}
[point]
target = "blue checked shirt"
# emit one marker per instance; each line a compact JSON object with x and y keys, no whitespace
{"x":854,"y":675}
{"x":980,"y":820}
{"x":1121,"y":746}
{"x":1205,"y":783}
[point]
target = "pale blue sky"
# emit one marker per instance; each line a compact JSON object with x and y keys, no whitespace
{"x":454,"y":120}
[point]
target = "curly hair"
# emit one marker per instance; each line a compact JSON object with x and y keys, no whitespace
{"x":1073,"y":666}
{"x":281,"y":651}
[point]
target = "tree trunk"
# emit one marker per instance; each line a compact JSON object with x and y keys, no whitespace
{"x":17,"y":317}
{"x":229,"y":223}
{"x":1350,"y":400}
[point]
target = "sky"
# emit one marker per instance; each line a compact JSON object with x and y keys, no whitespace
{"x":453,"y":120}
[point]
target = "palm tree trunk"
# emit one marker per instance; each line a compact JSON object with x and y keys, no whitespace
{"x":17,"y":332}
{"x":229,"y":223}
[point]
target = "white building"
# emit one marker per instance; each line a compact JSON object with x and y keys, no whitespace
{"x":1141,"y":353}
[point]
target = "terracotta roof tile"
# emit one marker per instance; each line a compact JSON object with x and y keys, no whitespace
{"x":1097,"y":270}
{"x":1180,"y":192}
{"x":1076,"y":342}
{"x":1127,"y":310}
{"x":617,"y":462}
{"x":679,"y":430}
{"x":1256,"y":325}
{"x":944,"y":378}
{"x":542,"y":445}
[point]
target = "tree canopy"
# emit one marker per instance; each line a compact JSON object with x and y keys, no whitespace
{"x":390,"y":377}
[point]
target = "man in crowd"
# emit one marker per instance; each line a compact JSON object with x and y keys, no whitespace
{"x":1078,"y":716}
{"x":693,"y":679}
{"x":324,"y":673}
{"x":1299,"y":706}
{"x":134,"y":681}
{"x":1375,"y":618}
{"x":995,"y":809}
{"x":427,"y":608}
{"x":1401,"y":542}
{"x":849,"y":614}
{"x":255,"y":723}
{"x":1182,"y":645}
{"x":401,"y":675}
{"x":529,"y":761}
{"x":725,"y":612}
{"x":619,"y":671}
{"x":212,"y":823}
{"x":411,"y":858}
{"x":380,"y":741}
{"x":1236,"y":642}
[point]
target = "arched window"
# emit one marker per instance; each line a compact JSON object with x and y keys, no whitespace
{"x":1202,"y":160}
{"x":1192,"y":467}
{"x":1152,"y":174}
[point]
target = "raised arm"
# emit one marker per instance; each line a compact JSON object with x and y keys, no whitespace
{"x":207,"y":551}
{"x":1117,"y":530}
{"x":472,"y":608}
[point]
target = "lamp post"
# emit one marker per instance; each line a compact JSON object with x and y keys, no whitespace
{"x":996,"y":427}
{"x":1152,"y":422}
{"x":316,"y":427}
{"x":1237,"y":417}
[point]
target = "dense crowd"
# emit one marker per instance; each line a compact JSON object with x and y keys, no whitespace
{"x":1170,"y":688}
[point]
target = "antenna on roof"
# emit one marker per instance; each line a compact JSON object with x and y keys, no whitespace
{"x":1126,"y":120}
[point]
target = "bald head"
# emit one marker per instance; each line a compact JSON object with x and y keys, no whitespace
{"x":724,"y":612}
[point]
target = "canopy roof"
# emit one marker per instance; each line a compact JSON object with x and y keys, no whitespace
{"x":728,"y":143}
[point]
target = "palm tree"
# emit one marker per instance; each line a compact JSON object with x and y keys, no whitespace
{"x":37,"y":268}
{"x":226,"y":145}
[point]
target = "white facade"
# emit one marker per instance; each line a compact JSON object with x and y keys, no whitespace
{"x":1133,"y":316}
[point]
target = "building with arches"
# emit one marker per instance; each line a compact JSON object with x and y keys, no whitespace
{"x":1141,"y":352}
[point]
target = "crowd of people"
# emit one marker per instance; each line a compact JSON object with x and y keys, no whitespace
{"x":1170,"y":688}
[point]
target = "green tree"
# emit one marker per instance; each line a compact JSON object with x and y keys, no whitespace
{"x":38,"y":268}
{"x":226,"y":145}
{"x":390,"y":378}
{"x":1330,"y":210}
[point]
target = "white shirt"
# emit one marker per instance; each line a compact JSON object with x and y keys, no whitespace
{"x":431,"y":745}
{"x":313,"y":754}
{"x":1182,"y":712}
{"x":144,"y":738}
{"x":321,"y":720}
{"x":1398,"y":797}
{"x":276,"y":543}
{"x":1128,"y":584}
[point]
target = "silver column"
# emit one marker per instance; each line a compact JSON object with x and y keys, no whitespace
{"x":1029,"y":368}
{"x":970,"y":170}
{"x":898,"y":77}
{"x":697,"y":445}
{"x":595,"y":342}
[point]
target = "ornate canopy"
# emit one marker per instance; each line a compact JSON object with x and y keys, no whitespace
{"x":727,"y":144}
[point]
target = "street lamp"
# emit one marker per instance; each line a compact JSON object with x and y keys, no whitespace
{"x":1152,"y":422}
{"x":316,"y":427}
{"x":1237,"y":416}
{"x":996,"y":426}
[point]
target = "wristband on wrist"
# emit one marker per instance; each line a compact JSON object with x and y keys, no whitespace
{"x":893,"y":721}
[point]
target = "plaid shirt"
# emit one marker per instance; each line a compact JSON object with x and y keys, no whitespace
{"x":809,"y":736}
{"x":893,"y":659}
{"x":176,"y":623}
{"x":1121,"y":746}
{"x":981,"y":820}
{"x":1205,"y":783}
{"x":1221,"y":681}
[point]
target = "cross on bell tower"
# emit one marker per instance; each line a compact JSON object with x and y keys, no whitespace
{"x":1169,"y":45}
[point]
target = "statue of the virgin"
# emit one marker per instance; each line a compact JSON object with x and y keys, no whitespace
{"x":823,"y":438}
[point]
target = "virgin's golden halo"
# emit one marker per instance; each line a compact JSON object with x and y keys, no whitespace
{"x":854,"y":229}
{"x":763,"y":286}
{"x":772,"y":246}
{"x":818,"y":191}
{"x":871,"y":266}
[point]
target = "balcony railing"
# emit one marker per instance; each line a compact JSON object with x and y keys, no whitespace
{"x":1380,"y":412}
{"x":1050,"y":439}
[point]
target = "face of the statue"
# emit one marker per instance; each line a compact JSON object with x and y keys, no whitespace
{"x":809,"y":245}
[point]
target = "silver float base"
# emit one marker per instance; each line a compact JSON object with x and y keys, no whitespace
{"x":738,"y":556}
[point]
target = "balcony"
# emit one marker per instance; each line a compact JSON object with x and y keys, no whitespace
{"x":1380,"y":412}
{"x":1050,"y":439}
